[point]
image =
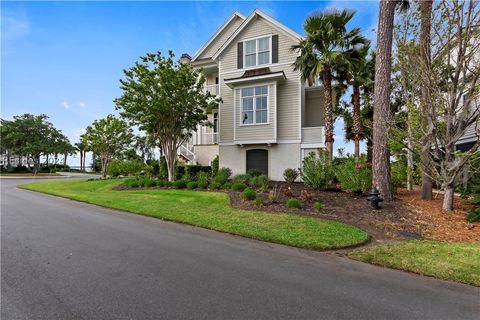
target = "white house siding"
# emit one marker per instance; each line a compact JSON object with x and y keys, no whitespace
{"x":314,"y":112}
{"x":280,"y":157}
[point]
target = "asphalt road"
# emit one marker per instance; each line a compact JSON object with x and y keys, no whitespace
{"x":62,"y":259}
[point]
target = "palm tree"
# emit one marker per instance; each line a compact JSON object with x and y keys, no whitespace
{"x":81,"y":147}
{"x":357,"y":72}
{"x":321,"y":52}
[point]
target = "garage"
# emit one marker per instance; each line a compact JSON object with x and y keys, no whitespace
{"x":257,"y":159}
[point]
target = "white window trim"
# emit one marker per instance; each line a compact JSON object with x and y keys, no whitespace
{"x":254,"y":106}
{"x":269,"y":36}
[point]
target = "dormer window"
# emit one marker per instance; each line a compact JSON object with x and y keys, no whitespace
{"x":257,"y":51}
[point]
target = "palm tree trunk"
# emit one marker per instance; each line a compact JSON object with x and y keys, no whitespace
{"x":425,"y":44}
{"x":381,"y":116}
{"x":81,"y":160}
{"x":327,"y":93}
{"x":356,"y":121}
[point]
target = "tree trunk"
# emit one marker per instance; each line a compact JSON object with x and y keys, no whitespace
{"x":448,"y":197}
{"x":357,"y":126}
{"x":104,"y":167}
{"x":36,"y":164}
{"x":410,"y":163}
{"x":369,"y":151}
{"x":327,"y":93}
{"x":8,"y":159}
{"x":46,"y":162}
{"x":425,"y":44}
{"x":381,"y":115}
{"x":65,"y":155}
{"x":81,"y":160}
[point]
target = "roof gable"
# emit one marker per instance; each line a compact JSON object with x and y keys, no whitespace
{"x":243,"y":26}
{"x":208,"y":47}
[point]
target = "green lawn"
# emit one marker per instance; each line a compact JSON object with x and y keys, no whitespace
{"x":210,"y":210}
{"x":450,"y":261}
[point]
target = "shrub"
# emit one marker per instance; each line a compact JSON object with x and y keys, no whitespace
{"x":222,"y":176}
{"x":253,"y":181}
{"x":317,"y":170}
{"x":274,"y":193}
{"x":227,"y":186}
{"x":150,"y":183}
{"x":202,"y":179}
{"x":254,"y":172}
{"x":168,"y":184}
{"x":262,"y":182}
{"x":160,"y":183}
{"x":249,"y":194}
{"x":215,"y":163}
{"x":163,"y":170}
{"x":290,"y":175}
{"x":473,"y":215}
{"x":215,"y":186}
{"x":125,"y":167}
{"x":180,"y":184}
{"x":192,"y":185}
{"x":258,"y":201}
{"x":317,"y":206}
{"x":355,"y":178}
{"x":293,"y":203}
{"x":242,"y":178}
{"x":398,"y":174}
{"x":203,"y":184}
{"x":239,"y":186}
{"x":132,"y":183}
{"x":179,"y":172}
{"x":194,"y":170}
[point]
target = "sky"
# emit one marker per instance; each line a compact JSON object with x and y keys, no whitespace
{"x":65,"y":59}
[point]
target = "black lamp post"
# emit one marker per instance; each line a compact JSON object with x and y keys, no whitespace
{"x":374,"y":198}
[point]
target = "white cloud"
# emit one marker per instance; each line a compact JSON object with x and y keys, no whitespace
{"x":82,"y":104}
{"x":14,"y":26}
{"x":65,"y":105}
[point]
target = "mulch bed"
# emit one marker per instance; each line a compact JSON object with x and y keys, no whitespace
{"x":393,"y":220}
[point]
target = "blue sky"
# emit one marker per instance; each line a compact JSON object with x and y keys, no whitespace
{"x":65,"y":59}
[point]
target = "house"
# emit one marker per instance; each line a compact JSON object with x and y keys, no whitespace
{"x":269,"y":119}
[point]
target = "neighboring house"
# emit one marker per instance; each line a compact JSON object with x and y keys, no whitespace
{"x":269,"y":119}
{"x":472,"y":133}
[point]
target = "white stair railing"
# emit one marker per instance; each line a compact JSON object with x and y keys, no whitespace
{"x":187,"y":153}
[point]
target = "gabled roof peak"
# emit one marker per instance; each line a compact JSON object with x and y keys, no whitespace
{"x":234,"y":15}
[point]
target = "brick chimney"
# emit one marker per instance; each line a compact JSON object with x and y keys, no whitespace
{"x":185,"y":58}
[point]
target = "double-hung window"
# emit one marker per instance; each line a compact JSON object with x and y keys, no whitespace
{"x":257,"y":52}
{"x":254,"y":105}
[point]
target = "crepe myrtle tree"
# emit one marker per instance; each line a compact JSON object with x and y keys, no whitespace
{"x":167,"y":100}
{"x":107,"y":138}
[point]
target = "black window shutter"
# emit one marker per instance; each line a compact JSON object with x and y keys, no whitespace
{"x":275,"y":48}
{"x":240,"y":55}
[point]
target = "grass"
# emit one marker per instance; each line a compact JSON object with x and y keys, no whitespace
{"x":445,"y":260}
{"x":209,"y":210}
{"x":30,"y":174}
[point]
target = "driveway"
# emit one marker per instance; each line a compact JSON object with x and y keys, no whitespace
{"x":62,"y":259}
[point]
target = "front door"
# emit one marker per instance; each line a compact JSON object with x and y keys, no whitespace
{"x":257,"y":159}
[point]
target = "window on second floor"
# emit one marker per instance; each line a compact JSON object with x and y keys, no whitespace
{"x":257,"y":52}
{"x":254,"y":104}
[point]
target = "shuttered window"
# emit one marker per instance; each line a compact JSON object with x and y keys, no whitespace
{"x":256,"y":52}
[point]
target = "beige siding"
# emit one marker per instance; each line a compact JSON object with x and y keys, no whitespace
{"x":288,"y":94}
{"x":221,"y":38}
